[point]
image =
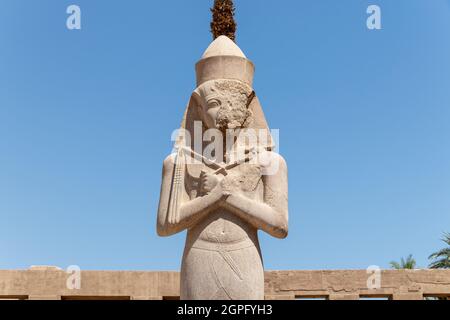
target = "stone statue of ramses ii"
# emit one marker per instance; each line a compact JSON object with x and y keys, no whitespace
{"x":222,"y":197}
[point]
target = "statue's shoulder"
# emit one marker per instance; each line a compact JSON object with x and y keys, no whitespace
{"x":169,"y":161}
{"x":270,"y":157}
{"x":271,"y":162}
{"x":193,"y":167}
{"x":276,"y":156}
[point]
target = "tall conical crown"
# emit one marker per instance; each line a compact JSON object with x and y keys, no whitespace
{"x":223,"y":59}
{"x":223,"y":46}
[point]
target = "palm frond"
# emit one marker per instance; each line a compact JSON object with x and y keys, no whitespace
{"x":442,"y":253}
{"x":446,"y":238}
{"x":442,"y":257}
{"x":441,"y":264}
{"x":408,"y":263}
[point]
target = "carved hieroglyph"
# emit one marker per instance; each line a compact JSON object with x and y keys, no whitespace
{"x":222,"y":197}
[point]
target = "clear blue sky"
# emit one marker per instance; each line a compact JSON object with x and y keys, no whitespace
{"x":86,"y":118}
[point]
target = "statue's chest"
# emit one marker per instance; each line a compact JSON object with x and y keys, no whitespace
{"x":245,"y":177}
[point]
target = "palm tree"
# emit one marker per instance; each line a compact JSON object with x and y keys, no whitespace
{"x":223,"y":22}
{"x":442,"y":257}
{"x":409,"y":263}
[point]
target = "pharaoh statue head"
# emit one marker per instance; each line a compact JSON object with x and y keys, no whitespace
{"x":224,"y":98}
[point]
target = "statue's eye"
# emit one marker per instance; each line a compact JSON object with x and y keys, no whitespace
{"x":213,"y":103}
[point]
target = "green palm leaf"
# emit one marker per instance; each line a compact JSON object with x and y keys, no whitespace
{"x":408,"y":263}
{"x":442,"y":257}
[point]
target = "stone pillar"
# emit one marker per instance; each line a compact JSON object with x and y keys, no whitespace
{"x":344,"y":296}
{"x":407,"y":296}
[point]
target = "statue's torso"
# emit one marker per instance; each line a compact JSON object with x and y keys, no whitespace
{"x":222,"y":258}
{"x":222,"y":226}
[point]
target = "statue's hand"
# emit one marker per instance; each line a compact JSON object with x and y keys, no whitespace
{"x":226,"y":187}
{"x":208,"y":182}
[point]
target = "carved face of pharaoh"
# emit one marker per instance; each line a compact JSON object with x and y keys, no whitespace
{"x":224,"y":104}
